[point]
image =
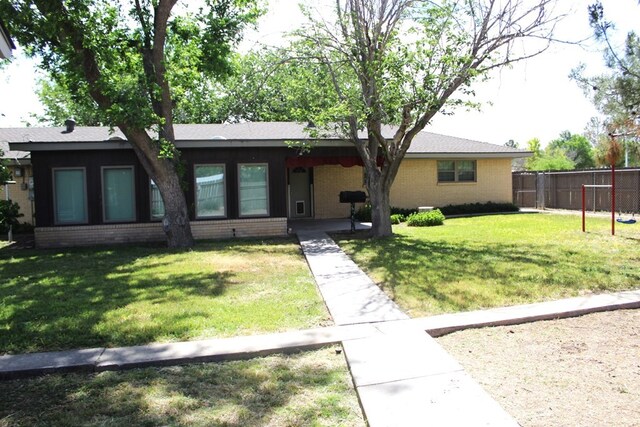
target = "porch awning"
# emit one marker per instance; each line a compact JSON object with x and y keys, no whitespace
{"x":311,"y":161}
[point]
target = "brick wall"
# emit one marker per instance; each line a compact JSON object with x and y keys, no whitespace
{"x":50,"y":237}
{"x":19,"y":193}
{"x":417,"y":184}
{"x":328,"y":182}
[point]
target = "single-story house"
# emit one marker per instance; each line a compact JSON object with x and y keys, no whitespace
{"x":241,"y":179}
{"x":19,"y":164}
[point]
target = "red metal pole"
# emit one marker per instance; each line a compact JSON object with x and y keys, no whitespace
{"x":583,"y":206}
{"x":613,"y":199}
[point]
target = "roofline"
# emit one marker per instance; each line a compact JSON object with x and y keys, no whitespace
{"x":124,"y":145}
{"x":6,"y":34}
{"x":470,"y":155}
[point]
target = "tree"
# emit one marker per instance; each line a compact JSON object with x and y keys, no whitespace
{"x":400,"y":62}
{"x":551,"y":158}
{"x":576,"y":148}
{"x":617,"y":93}
{"x":135,"y":60}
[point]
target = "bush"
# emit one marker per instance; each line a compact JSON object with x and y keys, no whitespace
{"x":397,"y":218}
{"x":476,"y":208}
{"x":364,"y":213}
{"x":426,"y":219}
{"x":9,"y":214}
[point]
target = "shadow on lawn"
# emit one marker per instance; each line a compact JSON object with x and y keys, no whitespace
{"x":52,"y":300}
{"x":468,"y":275}
{"x":244,"y":393}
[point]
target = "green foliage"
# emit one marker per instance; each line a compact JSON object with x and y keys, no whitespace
{"x":426,"y":219}
{"x":9,"y":214}
{"x":363,"y":213}
{"x":576,"y":148}
{"x":397,"y":219}
{"x":477,"y":208}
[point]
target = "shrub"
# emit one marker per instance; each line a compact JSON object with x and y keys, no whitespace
{"x":397,"y":218}
{"x":364,"y":213}
{"x":9,"y":214}
{"x":475,"y":208}
{"x":426,"y":219}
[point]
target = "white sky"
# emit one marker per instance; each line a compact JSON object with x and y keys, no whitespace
{"x":535,"y":98}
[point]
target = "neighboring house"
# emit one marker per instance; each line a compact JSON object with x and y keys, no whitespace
{"x":6,"y":44}
{"x":19,"y":163}
{"x":240,"y":180}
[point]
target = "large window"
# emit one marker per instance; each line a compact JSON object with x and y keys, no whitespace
{"x":253,"y":185}
{"x":210,"y":191}
{"x":118,"y":194}
{"x":456,"y":171}
{"x":70,"y":196}
{"x":157,"y":205}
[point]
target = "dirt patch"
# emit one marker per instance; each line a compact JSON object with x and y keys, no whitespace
{"x":583,"y":371}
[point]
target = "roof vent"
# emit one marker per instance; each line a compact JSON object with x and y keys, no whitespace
{"x":70,"y":124}
{"x":218,"y":137}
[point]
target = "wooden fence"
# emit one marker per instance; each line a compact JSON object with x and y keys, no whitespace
{"x":562,"y":190}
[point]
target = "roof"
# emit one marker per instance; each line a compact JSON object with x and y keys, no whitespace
{"x":15,"y":156}
{"x":257,"y":134}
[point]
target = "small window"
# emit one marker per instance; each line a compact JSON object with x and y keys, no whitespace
{"x":118,"y":194}
{"x":157,"y":205}
{"x":210,"y":191}
{"x":457,"y":171}
{"x":254,"y":189}
{"x":70,"y":196}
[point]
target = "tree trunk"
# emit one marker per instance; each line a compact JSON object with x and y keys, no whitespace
{"x":175,"y":223}
{"x":163,"y":172}
{"x":379,"y":190}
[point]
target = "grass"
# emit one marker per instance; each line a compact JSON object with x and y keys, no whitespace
{"x":473,"y":263}
{"x":120,"y":296}
{"x":306,"y":389}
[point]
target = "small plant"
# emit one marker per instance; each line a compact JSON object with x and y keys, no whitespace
{"x":426,"y":219}
{"x":363,"y":214}
{"x":9,"y":214}
{"x":397,"y":218}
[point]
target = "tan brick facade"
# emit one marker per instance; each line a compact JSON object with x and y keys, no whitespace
{"x":86,"y":235}
{"x":328,"y":182}
{"x":416,"y":185}
{"x":19,"y":192}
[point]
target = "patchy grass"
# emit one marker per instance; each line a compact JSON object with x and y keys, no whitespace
{"x":306,"y":389}
{"x":120,"y":296}
{"x":472,"y":263}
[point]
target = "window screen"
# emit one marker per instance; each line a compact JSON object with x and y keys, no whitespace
{"x":118,"y":194}
{"x":210,"y":191}
{"x":70,"y":196}
{"x":254,"y":189}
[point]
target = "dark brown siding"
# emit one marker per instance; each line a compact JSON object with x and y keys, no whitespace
{"x":93,"y":161}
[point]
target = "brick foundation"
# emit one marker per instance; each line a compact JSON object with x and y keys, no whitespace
{"x":87,"y":235}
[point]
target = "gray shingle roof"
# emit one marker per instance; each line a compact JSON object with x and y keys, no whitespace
{"x":424,"y":143}
{"x":13,"y":155}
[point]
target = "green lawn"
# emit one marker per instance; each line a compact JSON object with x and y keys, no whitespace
{"x":472,"y":263}
{"x":119,"y":296}
{"x":306,"y":389}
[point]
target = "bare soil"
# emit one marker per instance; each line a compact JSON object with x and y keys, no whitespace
{"x":583,"y":371}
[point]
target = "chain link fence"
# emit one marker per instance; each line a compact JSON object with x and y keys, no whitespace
{"x":563,"y":190}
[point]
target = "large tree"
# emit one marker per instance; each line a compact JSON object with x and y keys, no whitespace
{"x":400,"y":62}
{"x":134,"y":59}
{"x":616,"y":93}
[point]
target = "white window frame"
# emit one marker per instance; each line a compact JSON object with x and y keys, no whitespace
{"x":56,"y":220}
{"x":240,"y":215}
{"x":104,"y":199}
{"x":224,"y":186}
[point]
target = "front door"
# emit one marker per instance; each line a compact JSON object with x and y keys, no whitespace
{"x":300,"y":193}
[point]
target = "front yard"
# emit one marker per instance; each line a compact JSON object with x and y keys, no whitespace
{"x":306,"y":389}
{"x":491,"y":261}
{"x":120,"y":296}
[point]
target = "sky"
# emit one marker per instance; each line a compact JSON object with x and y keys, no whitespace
{"x":531,"y":99}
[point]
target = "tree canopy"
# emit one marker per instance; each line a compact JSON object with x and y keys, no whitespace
{"x":133,"y":60}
